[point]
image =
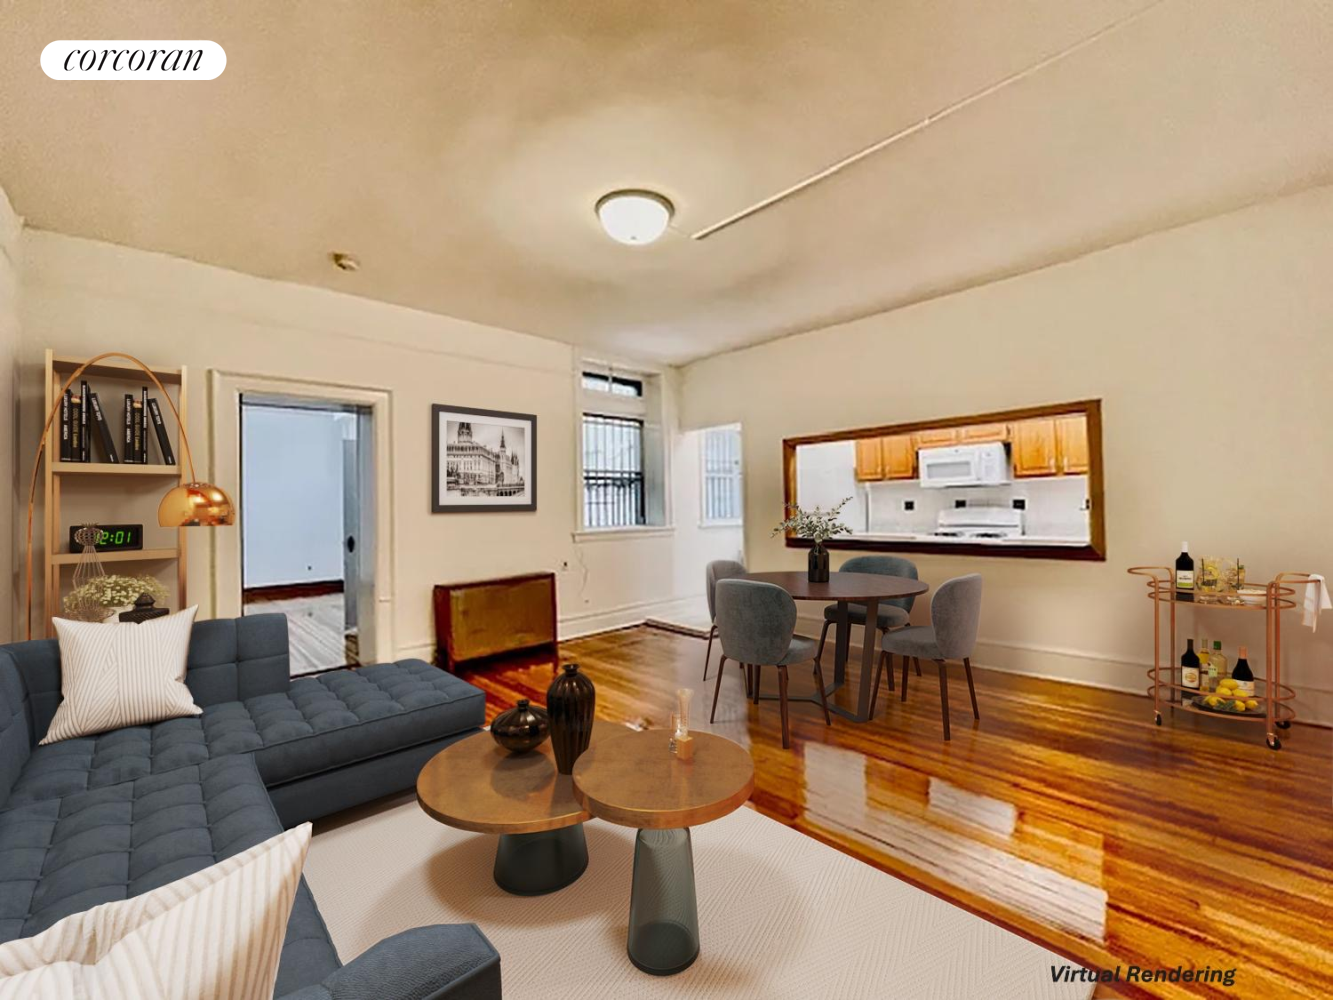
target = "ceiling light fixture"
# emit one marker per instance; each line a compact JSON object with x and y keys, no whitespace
{"x":635,"y":218}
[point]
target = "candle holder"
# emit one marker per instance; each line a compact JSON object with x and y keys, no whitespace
{"x":681,"y":743}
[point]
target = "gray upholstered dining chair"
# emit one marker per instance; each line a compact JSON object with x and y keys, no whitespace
{"x":756,"y":623}
{"x":718,"y":569}
{"x":955,"y":611}
{"x":893,"y":613}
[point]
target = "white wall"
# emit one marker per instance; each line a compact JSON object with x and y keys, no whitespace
{"x":289,"y":453}
{"x":1212,"y":348}
{"x":82,"y":296}
{"x":11,"y":478}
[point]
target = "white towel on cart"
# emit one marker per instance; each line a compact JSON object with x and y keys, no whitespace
{"x":1316,"y":600}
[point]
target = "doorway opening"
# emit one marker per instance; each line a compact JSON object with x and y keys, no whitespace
{"x":307,"y":529}
{"x":710,"y":520}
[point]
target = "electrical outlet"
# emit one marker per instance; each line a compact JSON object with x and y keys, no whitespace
{"x":1020,"y":503}
{"x":959,"y":504}
{"x":909,"y":505}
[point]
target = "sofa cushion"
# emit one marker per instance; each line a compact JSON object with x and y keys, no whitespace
{"x":15,"y":731}
{"x":215,"y":932}
{"x":60,"y":856}
{"x":319,"y":723}
{"x":121,"y":674}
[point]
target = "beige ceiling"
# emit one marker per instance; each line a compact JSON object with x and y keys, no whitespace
{"x":458,"y":147}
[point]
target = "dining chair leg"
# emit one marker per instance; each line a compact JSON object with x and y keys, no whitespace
{"x":967,"y":667}
{"x":708,"y":654}
{"x":712,"y":716}
{"x":879,"y":672}
{"x":746,"y":668}
{"x":757,"y":670}
{"x":782,"y":703}
{"x":905,"y":677}
{"x":944,"y":695}
{"x":823,"y":634}
{"x":823,"y":696}
{"x":917,"y":664}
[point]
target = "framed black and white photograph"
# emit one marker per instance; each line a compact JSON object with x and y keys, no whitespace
{"x":482,"y":460}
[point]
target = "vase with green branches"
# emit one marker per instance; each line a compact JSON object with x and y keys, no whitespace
{"x":818,"y":525}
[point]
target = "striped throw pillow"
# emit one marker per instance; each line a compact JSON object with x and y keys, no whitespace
{"x":213,"y":935}
{"x":121,"y":674}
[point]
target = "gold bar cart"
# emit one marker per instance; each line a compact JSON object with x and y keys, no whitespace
{"x":1279,"y":596}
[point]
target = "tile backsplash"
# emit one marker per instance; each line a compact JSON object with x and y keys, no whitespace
{"x":1054,"y":507}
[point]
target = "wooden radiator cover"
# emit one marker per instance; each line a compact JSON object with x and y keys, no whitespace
{"x":486,"y":617}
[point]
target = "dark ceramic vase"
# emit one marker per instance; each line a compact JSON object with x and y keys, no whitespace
{"x":818,"y":564}
{"x":570,"y":701}
{"x":522,"y":728}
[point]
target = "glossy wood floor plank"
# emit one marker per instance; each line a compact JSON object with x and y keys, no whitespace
{"x":1064,"y":814}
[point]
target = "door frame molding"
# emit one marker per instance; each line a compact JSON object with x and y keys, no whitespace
{"x":225,"y":389}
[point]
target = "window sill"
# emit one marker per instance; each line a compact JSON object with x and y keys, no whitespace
{"x":612,"y":534}
{"x":721,"y":524}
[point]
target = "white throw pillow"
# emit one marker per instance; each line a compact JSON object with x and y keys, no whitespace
{"x":121,"y":674}
{"x":213,"y":935}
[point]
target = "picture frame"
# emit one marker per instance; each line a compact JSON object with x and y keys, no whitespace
{"x":482,"y":460}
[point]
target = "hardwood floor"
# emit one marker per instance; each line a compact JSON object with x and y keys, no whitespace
{"x":1064,"y":814}
{"x":315,"y":628}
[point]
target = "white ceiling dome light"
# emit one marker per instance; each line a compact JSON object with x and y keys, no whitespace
{"x":635,"y":218}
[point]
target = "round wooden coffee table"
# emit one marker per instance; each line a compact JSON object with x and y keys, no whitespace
{"x":632,"y":779}
{"x":476,"y":785}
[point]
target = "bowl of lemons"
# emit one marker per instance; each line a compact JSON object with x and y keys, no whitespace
{"x":1228,"y":698}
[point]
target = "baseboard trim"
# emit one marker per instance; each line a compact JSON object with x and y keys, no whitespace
{"x":576,"y":626}
{"x":290,"y":591}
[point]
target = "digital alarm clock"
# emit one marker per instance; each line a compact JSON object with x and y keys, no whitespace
{"x":111,"y":537}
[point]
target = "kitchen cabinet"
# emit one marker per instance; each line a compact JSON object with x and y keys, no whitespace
{"x":869,"y":460}
{"x":939,"y":437}
{"x":982,"y":433}
{"x":1071,"y":444}
{"x":899,"y":456}
{"x":1034,"y":448}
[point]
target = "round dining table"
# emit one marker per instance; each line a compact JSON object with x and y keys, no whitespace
{"x":867,"y":589}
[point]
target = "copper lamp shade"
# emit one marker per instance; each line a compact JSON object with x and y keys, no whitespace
{"x":195,"y":505}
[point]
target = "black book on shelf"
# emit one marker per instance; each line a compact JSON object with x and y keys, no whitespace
{"x":163,"y":442}
{"x":85,"y":423}
{"x":66,"y":455}
{"x":104,"y":430}
{"x":143,"y":421}
{"x":75,"y":428}
{"x":127,"y":442}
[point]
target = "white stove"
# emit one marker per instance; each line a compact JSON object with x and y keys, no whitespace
{"x":979,"y":522}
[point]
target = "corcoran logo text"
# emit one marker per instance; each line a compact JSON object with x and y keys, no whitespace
{"x":121,"y":60}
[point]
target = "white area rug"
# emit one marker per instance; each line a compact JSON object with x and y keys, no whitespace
{"x":780,"y":915}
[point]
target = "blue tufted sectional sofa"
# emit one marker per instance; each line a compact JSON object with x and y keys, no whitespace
{"x":92,"y":820}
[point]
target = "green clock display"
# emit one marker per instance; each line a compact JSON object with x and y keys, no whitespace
{"x":111,"y":538}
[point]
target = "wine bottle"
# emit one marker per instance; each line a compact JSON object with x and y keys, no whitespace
{"x":1207,"y":668}
{"x":1243,"y":675}
{"x":1189,"y":669}
{"x":1184,"y":574}
{"x":1218,"y":659}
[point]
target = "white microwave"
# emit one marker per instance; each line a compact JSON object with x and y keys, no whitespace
{"x":965,"y":465}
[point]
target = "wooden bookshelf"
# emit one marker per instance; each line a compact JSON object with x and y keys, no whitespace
{"x":81,"y":484}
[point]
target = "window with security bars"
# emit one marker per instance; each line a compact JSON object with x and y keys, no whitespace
{"x":612,"y":471}
{"x":721,"y":457}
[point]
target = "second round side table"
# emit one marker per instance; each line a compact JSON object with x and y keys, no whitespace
{"x":632,"y":779}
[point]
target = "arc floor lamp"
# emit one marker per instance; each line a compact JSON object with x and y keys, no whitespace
{"x":187,"y":505}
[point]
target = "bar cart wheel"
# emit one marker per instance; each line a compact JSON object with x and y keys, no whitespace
{"x":1284,"y":724}
{"x":1157,"y":717}
{"x":1273,"y":743}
